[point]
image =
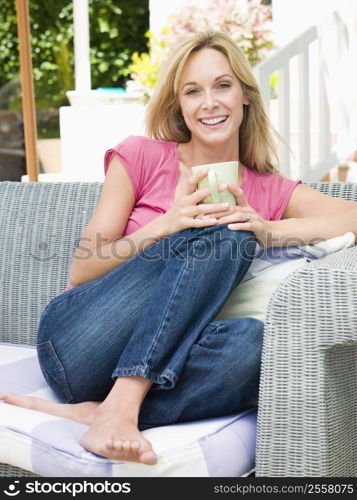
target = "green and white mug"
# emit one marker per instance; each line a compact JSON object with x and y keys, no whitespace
{"x":219,"y":173}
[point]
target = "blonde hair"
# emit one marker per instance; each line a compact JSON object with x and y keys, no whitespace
{"x":164,"y":120}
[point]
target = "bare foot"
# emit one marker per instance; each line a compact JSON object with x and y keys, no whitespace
{"x":80,"y":412}
{"x":114,"y":434}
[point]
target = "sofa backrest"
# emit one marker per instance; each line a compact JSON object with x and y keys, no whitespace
{"x":41,"y":224}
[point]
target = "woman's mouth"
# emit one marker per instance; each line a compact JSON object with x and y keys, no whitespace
{"x":214,"y":122}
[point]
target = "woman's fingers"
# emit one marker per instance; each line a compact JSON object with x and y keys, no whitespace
{"x":194,"y":179}
{"x":199,"y":214}
{"x":199,"y":195}
{"x":237,"y":191}
{"x":235,"y":220}
{"x":202,"y":222}
{"x":241,"y":217}
{"x":208,"y":210}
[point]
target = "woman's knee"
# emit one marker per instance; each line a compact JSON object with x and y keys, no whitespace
{"x":244,"y":242}
{"x":244,"y":337}
{"x":221,"y":241}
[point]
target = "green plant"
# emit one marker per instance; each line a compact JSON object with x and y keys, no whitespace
{"x":251,"y":31}
{"x":117,"y":30}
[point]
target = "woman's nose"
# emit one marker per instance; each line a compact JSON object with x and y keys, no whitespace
{"x":208,"y":101}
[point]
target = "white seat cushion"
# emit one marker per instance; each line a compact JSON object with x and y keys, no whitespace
{"x":48,"y":445}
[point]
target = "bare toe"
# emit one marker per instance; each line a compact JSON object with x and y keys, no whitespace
{"x":118,"y":445}
{"x":126,"y":446}
{"x":109,"y":444}
{"x":117,"y":438}
{"x":135,"y":446}
{"x":148,"y":458}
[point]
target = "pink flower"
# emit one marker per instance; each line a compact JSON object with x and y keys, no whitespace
{"x":251,"y":30}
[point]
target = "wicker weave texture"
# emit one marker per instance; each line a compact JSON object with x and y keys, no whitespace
{"x":307,"y":408}
{"x":307,"y":417}
{"x":10,"y":471}
{"x":41,"y":224}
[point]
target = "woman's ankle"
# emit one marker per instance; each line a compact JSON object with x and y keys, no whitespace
{"x":125,"y":409}
{"x":125,"y":399}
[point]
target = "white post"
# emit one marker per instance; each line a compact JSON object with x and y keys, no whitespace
{"x":304,"y":112}
{"x":284,"y":116}
{"x":324,"y":112}
{"x":81,"y":45}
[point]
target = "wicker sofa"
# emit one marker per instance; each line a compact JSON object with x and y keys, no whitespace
{"x":307,"y":424}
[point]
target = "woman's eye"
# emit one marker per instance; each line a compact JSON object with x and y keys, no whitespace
{"x":191,"y":91}
{"x":224,"y":85}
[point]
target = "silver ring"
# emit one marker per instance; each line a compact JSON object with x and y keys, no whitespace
{"x":247,"y":217}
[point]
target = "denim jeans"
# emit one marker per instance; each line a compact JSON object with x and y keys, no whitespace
{"x":153,"y":316}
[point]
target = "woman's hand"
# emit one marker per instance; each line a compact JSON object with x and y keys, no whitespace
{"x":187,"y":211}
{"x":243,"y":217}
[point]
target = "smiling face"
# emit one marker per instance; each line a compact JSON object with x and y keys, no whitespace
{"x":211,"y":98}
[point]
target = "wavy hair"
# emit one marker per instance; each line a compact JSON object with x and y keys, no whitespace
{"x":164,"y":120}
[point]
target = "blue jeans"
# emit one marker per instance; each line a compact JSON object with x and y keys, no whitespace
{"x":153,"y":316}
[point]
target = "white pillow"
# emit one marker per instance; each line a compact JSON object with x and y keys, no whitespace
{"x":269,"y":267}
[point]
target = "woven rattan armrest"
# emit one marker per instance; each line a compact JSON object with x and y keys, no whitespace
{"x":307,"y":423}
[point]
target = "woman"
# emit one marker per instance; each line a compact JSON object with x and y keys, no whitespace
{"x":133,"y":344}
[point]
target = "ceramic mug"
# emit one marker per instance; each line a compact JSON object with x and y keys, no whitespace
{"x":219,"y":173}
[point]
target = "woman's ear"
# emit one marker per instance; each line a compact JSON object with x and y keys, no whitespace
{"x":246,"y":100}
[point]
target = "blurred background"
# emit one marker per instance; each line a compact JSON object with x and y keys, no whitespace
{"x":96,"y":62}
{"x":117,"y":30}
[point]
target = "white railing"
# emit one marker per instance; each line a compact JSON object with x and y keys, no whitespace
{"x":295,"y":108}
{"x":81,"y":46}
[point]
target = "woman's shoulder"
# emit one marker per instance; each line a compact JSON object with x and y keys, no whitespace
{"x":265,"y":178}
{"x":270,"y":176}
{"x":142,"y":156}
{"x":268,"y":193}
{"x":142,"y":141}
{"x":272,"y":183}
{"x":137,"y":149}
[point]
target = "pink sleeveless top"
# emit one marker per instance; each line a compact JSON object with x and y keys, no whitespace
{"x":153,"y":168}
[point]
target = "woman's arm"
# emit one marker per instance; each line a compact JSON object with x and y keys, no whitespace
{"x":310,"y":230}
{"x":311,"y":216}
{"x":101,"y":247}
{"x":306,"y":202}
